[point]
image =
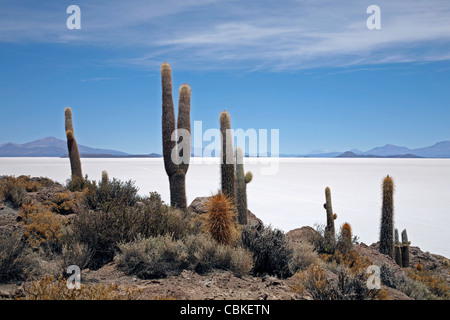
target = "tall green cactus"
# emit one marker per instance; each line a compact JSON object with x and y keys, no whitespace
{"x":329,"y":229}
{"x":241,"y":187}
{"x":175,"y":169}
{"x":387,"y":218}
{"x":405,"y":249}
{"x":72,"y":146}
{"x":227,"y":156}
{"x":397,"y":249}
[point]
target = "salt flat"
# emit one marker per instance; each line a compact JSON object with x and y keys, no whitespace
{"x":293,"y":194}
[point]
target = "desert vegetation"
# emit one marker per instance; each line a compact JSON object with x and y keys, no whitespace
{"x":95,"y":224}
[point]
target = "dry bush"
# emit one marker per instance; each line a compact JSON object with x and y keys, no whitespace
{"x":63,"y":203}
{"x":161,"y":256}
{"x":12,"y":191}
{"x":270,"y":249}
{"x":437,"y":285}
{"x":303,"y":256}
{"x":42,"y":226}
{"x":49,"y":288}
{"x":16,"y":261}
{"x":74,"y":254}
{"x":206,"y":254}
{"x":102,"y":231}
{"x":351,"y":260}
{"x":113,"y":195}
{"x":348,"y":286}
{"x":155,"y":257}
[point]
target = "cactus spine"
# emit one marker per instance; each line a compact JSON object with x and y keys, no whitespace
{"x":397,"y":250}
{"x":72,"y":146}
{"x":329,"y":229}
{"x":241,"y":187}
{"x":387,"y":218}
{"x":405,"y":249}
{"x":227,"y":156}
{"x":175,"y":169}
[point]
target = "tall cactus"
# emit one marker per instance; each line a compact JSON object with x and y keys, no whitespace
{"x":175,"y":169}
{"x":397,"y":249}
{"x":387,"y":218}
{"x":105,"y":178}
{"x":329,"y":229}
{"x":405,"y":249}
{"x":72,"y":146}
{"x":241,"y":187}
{"x":227,"y":156}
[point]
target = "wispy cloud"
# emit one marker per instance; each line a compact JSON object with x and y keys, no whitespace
{"x":286,"y":35}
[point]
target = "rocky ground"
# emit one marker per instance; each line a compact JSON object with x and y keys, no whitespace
{"x":221,"y":285}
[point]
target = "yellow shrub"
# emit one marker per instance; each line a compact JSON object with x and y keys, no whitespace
{"x":41,"y":224}
{"x":48,"y":288}
{"x":352,"y":260}
{"x":63,"y":203}
{"x":437,"y":285}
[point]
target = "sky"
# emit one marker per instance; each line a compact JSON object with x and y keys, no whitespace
{"x":309,"y":68}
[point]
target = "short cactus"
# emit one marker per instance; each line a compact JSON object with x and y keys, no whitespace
{"x":175,"y":170}
{"x":405,"y":249}
{"x":397,"y":249}
{"x":241,"y":187}
{"x":220,"y":220}
{"x":72,"y":146}
{"x":387,"y":218}
{"x":329,"y":229}
{"x":105,"y":177}
{"x":227,"y":156}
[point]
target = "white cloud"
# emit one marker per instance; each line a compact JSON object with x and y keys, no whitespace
{"x":244,"y":34}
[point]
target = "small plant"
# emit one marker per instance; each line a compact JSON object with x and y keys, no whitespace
{"x":42,"y":226}
{"x":221,"y":220}
{"x":270,"y":250}
{"x":16,"y":263}
{"x":397,"y":249}
{"x":419,"y":267}
{"x":405,"y":249}
{"x":49,"y":288}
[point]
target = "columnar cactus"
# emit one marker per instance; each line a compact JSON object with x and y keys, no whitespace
{"x":397,"y":250}
{"x":405,"y":249}
{"x":241,"y":187}
{"x":387,"y":218}
{"x":105,"y":178}
{"x":175,"y":169}
{"x":72,"y":146}
{"x":227,"y":157}
{"x":329,"y":229}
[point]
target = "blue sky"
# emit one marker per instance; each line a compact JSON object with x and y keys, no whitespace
{"x":309,"y":68}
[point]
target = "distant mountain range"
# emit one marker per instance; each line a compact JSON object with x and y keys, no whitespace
{"x":438,"y":150}
{"x":53,"y":147}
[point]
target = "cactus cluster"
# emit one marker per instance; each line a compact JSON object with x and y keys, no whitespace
{"x":175,"y":169}
{"x":233,"y":179}
{"x":72,"y":146}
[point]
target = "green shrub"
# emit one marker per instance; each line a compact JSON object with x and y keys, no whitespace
{"x":270,"y":249}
